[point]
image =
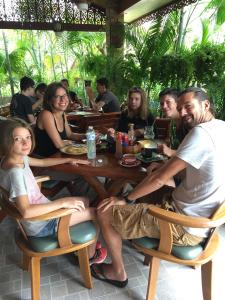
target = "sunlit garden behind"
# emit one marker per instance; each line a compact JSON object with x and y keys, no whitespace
{"x":183,"y":48}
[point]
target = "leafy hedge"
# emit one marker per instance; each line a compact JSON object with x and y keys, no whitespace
{"x":202,"y":66}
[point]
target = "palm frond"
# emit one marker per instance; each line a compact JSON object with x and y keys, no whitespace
{"x":205,"y":31}
{"x":219,"y":7}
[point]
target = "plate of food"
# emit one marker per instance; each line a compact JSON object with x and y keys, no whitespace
{"x":129,"y":161}
{"x":77,"y":149}
{"x":147,"y":143}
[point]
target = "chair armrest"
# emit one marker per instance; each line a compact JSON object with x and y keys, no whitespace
{"x":52,"y":215}
{"x":42,"y":178}
{"x":188,"y":221}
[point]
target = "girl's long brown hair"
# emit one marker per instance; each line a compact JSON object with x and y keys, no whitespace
{"x":143,"y":109}
{"x":6,"y":138}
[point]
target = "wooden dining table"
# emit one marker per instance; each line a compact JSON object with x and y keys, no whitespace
{"x":105,"y":165}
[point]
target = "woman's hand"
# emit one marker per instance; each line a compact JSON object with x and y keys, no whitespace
{"x":74,"y":161}
{"x":66,"y":143}
{"x":108,"y":202}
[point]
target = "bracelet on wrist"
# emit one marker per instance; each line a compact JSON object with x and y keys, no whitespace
{"x":128,"y":201}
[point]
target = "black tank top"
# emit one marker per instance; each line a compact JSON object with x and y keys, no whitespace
{"x":44,"y":145}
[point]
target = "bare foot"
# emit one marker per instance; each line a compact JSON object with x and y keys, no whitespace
{"x":110,"y":273}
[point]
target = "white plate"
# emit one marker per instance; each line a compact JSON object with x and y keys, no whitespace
{"x":147,"y":143}
{"x":137,"y":163}
{"x":77,"y":149}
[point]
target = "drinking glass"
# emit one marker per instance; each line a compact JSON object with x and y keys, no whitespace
{"x":149,"y":133}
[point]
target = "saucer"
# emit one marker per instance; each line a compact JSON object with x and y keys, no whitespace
{"x":155,"y":157}
{"x":137,"y":163}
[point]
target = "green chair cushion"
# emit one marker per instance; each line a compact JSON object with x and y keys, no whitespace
{"x":182,"y":252}
{"x":80,"y":233}
{"x":83,"y":232}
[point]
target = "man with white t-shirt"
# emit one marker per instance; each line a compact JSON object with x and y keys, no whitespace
{"x":201,"y":157}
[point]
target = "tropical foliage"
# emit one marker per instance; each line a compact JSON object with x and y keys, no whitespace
{"x":162,"y":54}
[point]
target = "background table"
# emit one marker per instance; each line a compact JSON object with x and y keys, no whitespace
{"x":99,"y":121}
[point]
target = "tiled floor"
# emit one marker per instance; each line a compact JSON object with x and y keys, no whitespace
{"x":60,"y":277}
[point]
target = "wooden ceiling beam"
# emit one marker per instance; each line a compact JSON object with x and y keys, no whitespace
{"x":50,"y":26}
{"x":101,"y":3}
{"x":123,"y":5}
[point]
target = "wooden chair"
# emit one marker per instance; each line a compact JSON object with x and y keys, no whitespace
{"x":162,"y":129}
{"x":99,"y":122}
{"x":66,"y":240}
{"x":200,"y":255}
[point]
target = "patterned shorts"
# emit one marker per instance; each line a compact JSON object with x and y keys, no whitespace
{"x":134,"y":221}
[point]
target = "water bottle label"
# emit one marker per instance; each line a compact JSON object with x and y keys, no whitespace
{"x":91,"y":146}
{"x":91,"y":136}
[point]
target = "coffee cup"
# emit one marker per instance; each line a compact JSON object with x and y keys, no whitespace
{"x":129,"y":159}
{"x":148,"y":152}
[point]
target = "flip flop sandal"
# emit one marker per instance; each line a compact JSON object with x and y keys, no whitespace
{"x":101,"y":276}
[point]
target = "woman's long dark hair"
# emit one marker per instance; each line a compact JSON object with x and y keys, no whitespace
{"x":50,"y":93}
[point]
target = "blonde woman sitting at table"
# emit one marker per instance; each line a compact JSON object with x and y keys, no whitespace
{"x":137,"y":113}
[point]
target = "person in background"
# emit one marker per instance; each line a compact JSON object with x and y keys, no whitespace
{"x":16,"y":144}
{"x":168,"y":104}
{"x":21,"y":105}
{"x":137,"y":112}
{"x":202,"y":190}
{"x":105,"y":100}
{"x":39,"y":96}
{"x":75,"y":102}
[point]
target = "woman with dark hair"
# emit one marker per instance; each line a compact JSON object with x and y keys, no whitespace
{"x":52,"y":131}
{"x":137,"y":113}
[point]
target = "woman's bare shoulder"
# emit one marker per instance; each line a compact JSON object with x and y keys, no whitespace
{"x":44,"y":119}
{"x":45,"y":113}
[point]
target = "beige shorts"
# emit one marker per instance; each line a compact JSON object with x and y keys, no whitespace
{"x":134,"y":221}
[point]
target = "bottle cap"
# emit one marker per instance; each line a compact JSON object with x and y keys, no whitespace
{"x":131,"y":125}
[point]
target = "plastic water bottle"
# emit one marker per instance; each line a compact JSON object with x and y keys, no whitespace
{"x":131,"y":135}
{"x":91,"y":144}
